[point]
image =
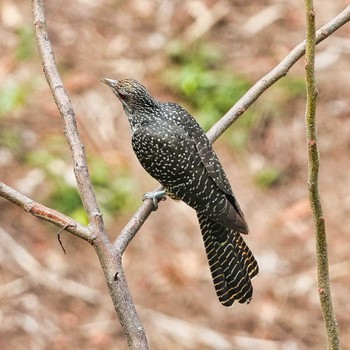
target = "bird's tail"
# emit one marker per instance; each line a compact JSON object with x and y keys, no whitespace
{"x":231,"y":262}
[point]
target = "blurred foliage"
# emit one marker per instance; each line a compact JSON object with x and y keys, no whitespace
{"x":15,"y":95}
{"x":12,"y":97}
{"x":115,"y":189}
{"x":26,"y":43}
{"x":65,"y":198}
{"x":239,"y":135}
{"x":11,"y":139}
{"x":63,"y":195}
{"x":293,"y":85}
{"x":281,"y":96}
{"x":267,"y":176}
{"x":201,"y":79}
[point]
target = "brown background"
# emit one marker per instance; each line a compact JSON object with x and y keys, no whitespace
{"x":49,"y":300}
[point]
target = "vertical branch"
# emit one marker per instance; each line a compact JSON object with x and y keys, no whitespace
{"x":313,"y":171}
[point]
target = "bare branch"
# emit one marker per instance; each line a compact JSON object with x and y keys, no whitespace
{"x":313,"y":172}
{"x":45,"y":213}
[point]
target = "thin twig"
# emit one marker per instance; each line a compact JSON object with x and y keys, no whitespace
{"x":313,"y":173}
{"x":59,"y":239}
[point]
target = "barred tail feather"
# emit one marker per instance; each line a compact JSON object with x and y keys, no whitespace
{"x":231,"y":262}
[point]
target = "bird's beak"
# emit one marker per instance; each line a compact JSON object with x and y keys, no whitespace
{"x":110,"y":82}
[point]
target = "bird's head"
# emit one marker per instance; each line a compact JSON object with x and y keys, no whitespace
{"x":133,"y":96}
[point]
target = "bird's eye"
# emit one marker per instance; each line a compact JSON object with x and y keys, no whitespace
{"x":121,"y":95}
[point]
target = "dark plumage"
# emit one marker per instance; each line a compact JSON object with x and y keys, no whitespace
{"x":173,"y":148}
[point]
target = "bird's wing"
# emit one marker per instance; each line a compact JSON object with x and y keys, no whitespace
{"x":205,"y":150}
{"x":207,"y":154}
{"x":216,"y":172}
{"x":211,"y":162}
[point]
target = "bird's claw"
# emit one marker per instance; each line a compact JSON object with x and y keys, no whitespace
{"x":156,"y":197}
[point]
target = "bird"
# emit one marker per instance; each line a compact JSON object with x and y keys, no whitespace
{"x":173,"y":148}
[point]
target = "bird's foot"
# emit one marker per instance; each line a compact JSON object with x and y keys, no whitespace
{"x":156,"y":197}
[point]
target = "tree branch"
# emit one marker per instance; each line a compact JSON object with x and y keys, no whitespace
{"x":313,"y":172}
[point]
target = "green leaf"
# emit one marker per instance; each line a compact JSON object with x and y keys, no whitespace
{"x":267,"y":176}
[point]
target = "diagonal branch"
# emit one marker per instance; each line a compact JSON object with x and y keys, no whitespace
{"x":238,"y":109}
